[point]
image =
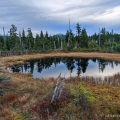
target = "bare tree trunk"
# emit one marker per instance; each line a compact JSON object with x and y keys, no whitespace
{"x":61,"y":45}
{"x":54,"y":46}
{"x":99,"y":37}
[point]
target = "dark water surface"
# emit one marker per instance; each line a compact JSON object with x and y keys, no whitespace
{"x":52,"y":67}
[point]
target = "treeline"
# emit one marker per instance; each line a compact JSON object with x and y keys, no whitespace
{"x":20,"y":43}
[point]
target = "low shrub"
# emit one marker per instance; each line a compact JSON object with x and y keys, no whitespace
{"x":82,"y":96}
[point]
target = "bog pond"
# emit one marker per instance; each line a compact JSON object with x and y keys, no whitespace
{"x":52,"y":67}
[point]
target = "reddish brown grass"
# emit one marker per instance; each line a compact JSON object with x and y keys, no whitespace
{"x":9,"y":96}
{"x":106,"y":56}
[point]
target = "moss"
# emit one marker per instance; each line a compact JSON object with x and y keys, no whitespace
{"x":18,"y":117}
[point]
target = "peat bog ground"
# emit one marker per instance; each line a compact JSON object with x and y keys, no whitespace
{"x":85,"y":98}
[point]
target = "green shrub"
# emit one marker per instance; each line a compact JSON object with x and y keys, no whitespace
{"x":82,"y":96}
{"x":2,"y":77}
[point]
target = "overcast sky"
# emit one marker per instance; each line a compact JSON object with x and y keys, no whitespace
{"x":53,"y":15}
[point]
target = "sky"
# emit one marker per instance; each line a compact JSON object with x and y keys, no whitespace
{"x":53,"y":15}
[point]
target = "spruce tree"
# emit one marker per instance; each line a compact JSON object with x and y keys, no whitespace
{"x":46,"y":35}
{"x":37,"y":42}
{"x":30,"y":39}
{"x":24,"y":40}
{"x":41,"y":34}
{"x":14,"y":41}
{"x":84,"y":38}
{"x":78,"y":30}
{"x":2,"y":43}
{"x":103,"y":37}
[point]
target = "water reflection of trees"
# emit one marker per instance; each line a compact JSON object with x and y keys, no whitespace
{"x":80,"y":64}
{"x":69,"y":62}
{"x":103,"y":63}
{"x":15,"y":68}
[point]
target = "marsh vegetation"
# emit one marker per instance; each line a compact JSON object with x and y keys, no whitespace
{"x":83,"y":97}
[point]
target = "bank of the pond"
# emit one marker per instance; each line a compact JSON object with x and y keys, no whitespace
{"x":106,"y":56}
{"x":26,"y":98}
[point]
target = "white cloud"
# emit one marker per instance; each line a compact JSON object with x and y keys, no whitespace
{"x":110,"y":16}
{"x":40,"y":14}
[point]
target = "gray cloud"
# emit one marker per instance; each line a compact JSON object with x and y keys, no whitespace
{"x":51,"y":14}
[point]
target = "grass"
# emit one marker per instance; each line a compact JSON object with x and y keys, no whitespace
{"x":106,"y":56}
{"x":25,"y":97}
{"x":86,"y":80}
